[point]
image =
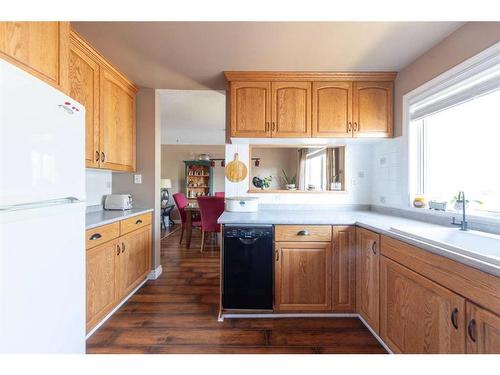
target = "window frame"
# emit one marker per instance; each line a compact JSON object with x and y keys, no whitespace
{"x":413,"y":137}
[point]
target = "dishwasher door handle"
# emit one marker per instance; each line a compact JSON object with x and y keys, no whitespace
{"x":248,"y":241}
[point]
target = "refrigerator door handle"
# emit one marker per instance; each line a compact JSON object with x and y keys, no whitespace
{"x":47,"y":203}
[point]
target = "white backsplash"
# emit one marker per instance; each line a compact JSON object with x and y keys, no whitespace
{"x":98,"y":184}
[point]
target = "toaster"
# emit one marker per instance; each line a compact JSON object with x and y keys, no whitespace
{"x":118,"y":202}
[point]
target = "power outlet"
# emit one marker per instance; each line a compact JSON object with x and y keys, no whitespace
{"x":137,"y":179}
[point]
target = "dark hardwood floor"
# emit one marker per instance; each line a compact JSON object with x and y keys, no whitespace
{"x":178,"y":314}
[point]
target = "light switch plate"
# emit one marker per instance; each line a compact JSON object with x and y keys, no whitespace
{"x":137,"y":179}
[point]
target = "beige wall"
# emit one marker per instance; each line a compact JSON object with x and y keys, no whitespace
{"x":145,"y":194}
{"x":172,"y":165}
{"x":465,"y":42}
{"x":272,"y":161}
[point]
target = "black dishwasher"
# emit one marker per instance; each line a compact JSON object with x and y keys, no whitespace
{"x":247,"y":267}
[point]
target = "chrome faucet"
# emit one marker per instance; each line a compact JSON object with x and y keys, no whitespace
{"x":463,"y":224}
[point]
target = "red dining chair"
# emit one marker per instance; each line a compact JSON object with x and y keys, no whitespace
{"x":181,"y":202}
{"x":220,"y":194}
{"x":210,"y":210}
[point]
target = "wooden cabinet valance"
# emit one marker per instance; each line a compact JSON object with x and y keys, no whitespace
{"x":310,"y":104}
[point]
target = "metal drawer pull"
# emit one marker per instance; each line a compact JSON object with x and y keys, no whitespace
{"x":118,"y":251}
{"x":139,"y":221}
{"x":302,"y":233}
{"x":374,"y":247}
{"x":97,"y":156}
{"x":277,"y":255}
{"x":471,"y":329}
{"x":103,"y":157}
{"x":123,"y":247}
{"x":454,"y":321}
{"x":95,"y":236}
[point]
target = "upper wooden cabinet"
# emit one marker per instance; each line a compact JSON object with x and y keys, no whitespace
{"x":291,"y":109}
{"x":368,"y":276}
{"x":84,"y":88}
{"x":417,"y":315}
{"x":109,"y":100}
{"x":372,"y":103}
{"x":310,"y":104}
{"x":483,"y":330}
{"x":117,"y":117}
{"x":40,"y":48}
{"x":250,"y":109}
{"x":303,"y":276}
{"x":332,"y":109}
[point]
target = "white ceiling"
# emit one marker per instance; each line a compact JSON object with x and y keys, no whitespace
{"x":195,"y":117}
{"x":193,"y":55}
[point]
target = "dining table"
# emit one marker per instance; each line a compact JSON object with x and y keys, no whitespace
{"x":192,"y":210}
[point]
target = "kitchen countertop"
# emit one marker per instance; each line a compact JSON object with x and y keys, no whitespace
{"x":96,"y":218}
{"x":374,"y":221}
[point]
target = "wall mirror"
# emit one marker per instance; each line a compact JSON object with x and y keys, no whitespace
{"x":297,"y":169}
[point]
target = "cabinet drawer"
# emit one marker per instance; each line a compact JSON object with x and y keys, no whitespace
{"x":99,"y":235}
{"x":306,"y":233}
{"x":136,"y":222}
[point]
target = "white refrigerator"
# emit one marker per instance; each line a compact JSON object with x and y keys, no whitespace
{"x":42,"y":217}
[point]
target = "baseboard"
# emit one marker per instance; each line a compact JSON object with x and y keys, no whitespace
{"x":375,"y":334}
{"x":154,"y":274}
{"x":116,"y":308}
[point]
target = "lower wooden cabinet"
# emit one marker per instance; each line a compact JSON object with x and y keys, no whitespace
{"x":417,"y":315}
{"x":344,"y":269}
{"x":116,"y":267}
{"x":303,"y":279}
{"x":483,"y":330}
{"x":101,"y":264}
{"x":367,"y":276}
{"x":134,"y":260}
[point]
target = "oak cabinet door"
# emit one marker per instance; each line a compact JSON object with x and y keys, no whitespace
{"x":117,"y":123}
{"x":40,"y":48}
{"x":418,"y":315}
{"x":373,"y":109}
{"x":367,"y":276}
{"x":84,"y":88}
{"x":483,"y":330}
{"x":291,"y":109}
{"x":303,"y":276}
{"x":134,"y":260}
{"x":250,"y":109}
{"x":332,"y":109}
{"x":101,"y":281}
{"x":344,"y":269}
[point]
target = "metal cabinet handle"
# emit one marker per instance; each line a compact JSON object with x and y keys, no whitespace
{"x":139,"y":221}
{"x":95,"y":236}
{"x":349,"y":126}
{"x":355,"y":127}
{"x":274,"y":126}
{"x":374,"y":247}
{"x":302,"y":233}
{"x":277,"y":255}
{"x":97,"y":155}
{"x":123,"y":247}
{"x":453,"y":317}
{"x":118,"y":250}
{"x":103,"y":157}
{"x":471,"y":330}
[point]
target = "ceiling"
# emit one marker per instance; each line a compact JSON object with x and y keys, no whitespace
{"x":193,"y":55}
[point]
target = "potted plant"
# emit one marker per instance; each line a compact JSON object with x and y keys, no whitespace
{"x":266,"y":182}
{"x":457,"y":203}
{"x":289,"y":182}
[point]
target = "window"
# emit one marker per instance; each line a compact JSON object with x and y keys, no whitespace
{"x":455,"y":141}
{"x":316,"y":170}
